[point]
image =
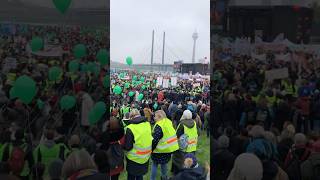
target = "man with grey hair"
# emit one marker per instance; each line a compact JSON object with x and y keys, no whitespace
{"x":138,"y":144}
{"x":222,"y":159}
{"x":296,"y":156}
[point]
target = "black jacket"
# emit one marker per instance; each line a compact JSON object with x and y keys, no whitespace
{"x":222,"y":161}
{"x":191,"y":174}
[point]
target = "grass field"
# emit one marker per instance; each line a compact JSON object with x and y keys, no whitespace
{"x":203,"y":155}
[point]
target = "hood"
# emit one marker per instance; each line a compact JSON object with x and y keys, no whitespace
{"x":197,"y":173}
{"x":188,"y":122}
{"x":137,"y":120}
{"x":49,"y":143}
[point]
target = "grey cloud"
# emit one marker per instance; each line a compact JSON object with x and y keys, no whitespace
{"x":132,"y":21}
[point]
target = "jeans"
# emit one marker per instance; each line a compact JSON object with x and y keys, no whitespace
{"x":131,"y":177}
{"x":154,"y":169}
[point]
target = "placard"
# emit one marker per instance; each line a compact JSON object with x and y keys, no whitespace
{"x":159,"y":81}
{"x":174,"y":81}
{"x":277,"y":74}
{"x":165,"y":83}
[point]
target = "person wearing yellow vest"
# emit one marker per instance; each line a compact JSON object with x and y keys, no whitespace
{"x":187,"y":128}
{"x":25,"y":159}
{"x":138,"y":145}
{"x":164,"y":143}
{"x":48,"y":151}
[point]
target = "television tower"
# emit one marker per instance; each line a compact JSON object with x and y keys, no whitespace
{"x":194,"y":37}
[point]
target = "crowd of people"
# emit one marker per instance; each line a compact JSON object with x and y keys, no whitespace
{"x":146,"y":124}
{"x":178,"y":115}
{"x":262,"y":127}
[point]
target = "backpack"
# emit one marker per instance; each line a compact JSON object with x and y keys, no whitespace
{"x":251,"y":116}
{"x":183,"y":142}
{"x":115,"y":156}
{"x":190,"y":107}
{"x":16,"y":159}
{"x":262,"y":115}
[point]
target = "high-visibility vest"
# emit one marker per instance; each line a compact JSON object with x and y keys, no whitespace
{"x":142,"y":147}
{"x":192,"y":134}
{"x":48,"y":155}
{"x":11,"y":77}
{"x":125,"y":109}
{"x":289,"y":89}
{"x":271,"y":100}
{"x":169,"y":142}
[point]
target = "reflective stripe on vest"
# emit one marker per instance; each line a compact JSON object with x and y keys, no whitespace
{"x":169,"y":142}
{"x":142,"y":148}
{"x":192,"y":134}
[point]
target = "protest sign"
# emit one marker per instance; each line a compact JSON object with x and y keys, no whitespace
{"x":277,"y":74}
{"x":174,"y":81}
{"x":8,"y":64}
{"x":159,"y":81}
{"x":196,"y":85}
{"x":165,"y":83}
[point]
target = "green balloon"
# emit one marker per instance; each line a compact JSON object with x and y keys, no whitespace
{"x":36,"y":44}
{"x":97,"y":112}
{"x":155,"y":106}
{"x":67,"y":102}
{"x":12,"y":93}
{"x":55,"y":73}
{"x":140,"y":97}
{"x":94,"y":68}
{"x":73,"y":66}
{"x":134,"y":78}
{"x":100,"y":107}
{"x":62,"y":5}
{"x":143,"y":87}
{"x":102,"y":56}
{"x":127,"y":85}
{"x":121,"y":75}
{"x":84,"y":68}
{"x":106,"y":81}
{"x":40,"y":104}
{"x":117,"y":90}
{"x":142,"y":79}
{"x":25,"y":89}
{"x":80,"y":51}
{"x":129,"y":60}
{"x":131,"y":93}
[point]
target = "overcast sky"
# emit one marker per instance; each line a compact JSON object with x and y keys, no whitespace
{"x":132,"y":22}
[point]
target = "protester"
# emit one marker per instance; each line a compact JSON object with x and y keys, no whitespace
{"x":79,"y":165}
{"x":187,"y":128}
{"x":192,"y":170}
{"x":138,"y":144}
{"x":164,"y":143}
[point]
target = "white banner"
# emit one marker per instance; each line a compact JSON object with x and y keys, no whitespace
{"x":8,"y":64}
{"x":174,"y":81}
{"x":49,"y":51}
{"x":165,"y":83}
{"x":159,"y":81}
{"x":196,"y":85}
{"x":277,"y":74}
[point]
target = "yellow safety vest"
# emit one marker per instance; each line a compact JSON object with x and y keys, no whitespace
{"x":48,"y":155}
{"x":192,"y":134}
{"x":11,"y":77}
{"x":271,"y":100}
{"x":289,"y":89}
{"x":142,"y":147}
{"x":169,"y":142}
